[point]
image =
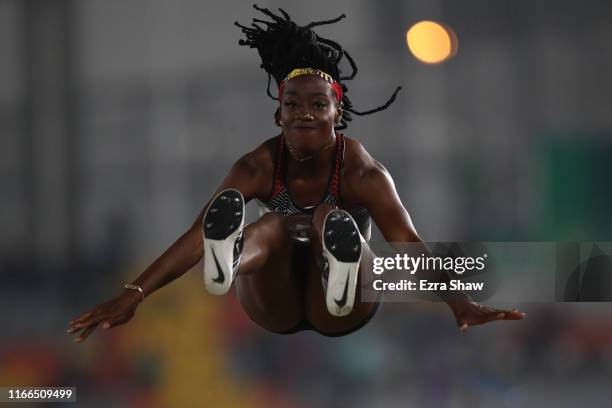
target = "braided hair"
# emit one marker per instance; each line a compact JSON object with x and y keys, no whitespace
{"x":284,"y":46}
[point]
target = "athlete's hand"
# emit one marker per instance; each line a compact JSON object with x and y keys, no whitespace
{"x":469,"y":313}
{"x":108,"y":314}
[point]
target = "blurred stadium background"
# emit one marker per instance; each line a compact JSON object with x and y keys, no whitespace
{"x":119,"y":118}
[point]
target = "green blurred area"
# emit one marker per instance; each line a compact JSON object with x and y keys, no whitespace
{"x":576,"y":194}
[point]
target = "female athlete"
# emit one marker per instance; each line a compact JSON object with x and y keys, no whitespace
{"x":297,"y":267}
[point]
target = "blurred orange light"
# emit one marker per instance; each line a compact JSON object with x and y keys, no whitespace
{"x":431,"y":42}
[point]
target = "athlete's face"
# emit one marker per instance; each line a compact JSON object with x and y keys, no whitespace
{"x":308,"y":113}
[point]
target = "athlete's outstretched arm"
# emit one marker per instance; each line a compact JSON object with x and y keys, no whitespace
{"x":186,"y":252}
{"x":374,"y":188}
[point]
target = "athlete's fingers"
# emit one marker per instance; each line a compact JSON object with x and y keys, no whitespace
{"x":76,"y":331}
{"x":86,"y":333}
{"x":85,"y":317}
{"x":83,"y":324}
{"x":116,"y":321}
{"x":488,"y":314}
{"x":94,"y":319}
{"x":492,"y":311}
{"x":463,"y":326}
{"x":80,"y":325}
{"x":80,"y":318}
{"x":514,"y":314}
{"x":489,"y":317}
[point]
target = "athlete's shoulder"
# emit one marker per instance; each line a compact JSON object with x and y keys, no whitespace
{"x":361,"y":174}
{"x":252,"y":173}
{"x":357,"y":160}
{"x":260,"y":159}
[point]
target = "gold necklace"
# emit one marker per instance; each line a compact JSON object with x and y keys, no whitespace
{"x":301,"y":159}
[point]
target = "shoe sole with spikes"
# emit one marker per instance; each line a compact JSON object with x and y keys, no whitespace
{"x":222,"y":229}
{"x":342,"y":252}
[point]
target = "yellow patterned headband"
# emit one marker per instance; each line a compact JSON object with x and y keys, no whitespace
{"x":309,"y":71}
{"x":312,"y":71}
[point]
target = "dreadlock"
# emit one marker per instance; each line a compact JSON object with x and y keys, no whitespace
{"x":283,"y":46}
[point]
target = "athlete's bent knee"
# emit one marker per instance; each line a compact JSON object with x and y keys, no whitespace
{"x":272,"y":220}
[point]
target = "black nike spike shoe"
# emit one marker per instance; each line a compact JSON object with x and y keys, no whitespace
{"x":222,"y":228}
{"x":341,"y":255}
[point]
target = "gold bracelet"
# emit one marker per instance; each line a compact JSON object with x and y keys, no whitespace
{"x":134,"y":287}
